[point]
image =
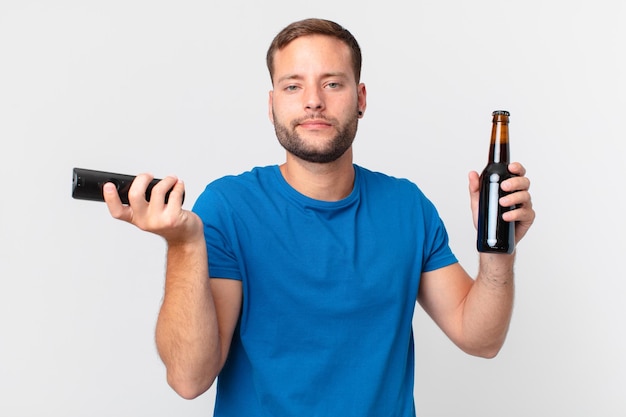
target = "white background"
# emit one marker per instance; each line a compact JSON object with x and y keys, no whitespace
{"x":181,"y":87}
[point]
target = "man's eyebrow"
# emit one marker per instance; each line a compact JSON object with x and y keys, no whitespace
{"x":289,"y":77}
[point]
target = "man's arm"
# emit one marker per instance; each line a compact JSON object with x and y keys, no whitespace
{"x":196,"y":321}
{"x":475,"y":314}
{"x":198,"y":315}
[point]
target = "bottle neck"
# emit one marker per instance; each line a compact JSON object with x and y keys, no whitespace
{"x":499,"y":149}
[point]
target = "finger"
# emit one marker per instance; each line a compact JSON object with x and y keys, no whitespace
{"x":177,"y":194}
{"x":517,"y":169}
{"x":474,"y":181}
{"x":474,"y":188}
{"x":114,"y":203}
{"x":159,"y":191}
{"x":523,"y":218}
{"x":518,"y":199}
{"x":515,"y":184}
{"x":519,"y":215}
{"x":137,"y":191}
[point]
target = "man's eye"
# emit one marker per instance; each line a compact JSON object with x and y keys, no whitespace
{"x":291,"y":88}
{"x":333,"y":85}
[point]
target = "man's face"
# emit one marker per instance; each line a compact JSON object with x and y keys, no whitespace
{"x":315,"y":102}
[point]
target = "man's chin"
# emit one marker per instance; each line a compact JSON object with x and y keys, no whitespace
{"x":317,"y":157}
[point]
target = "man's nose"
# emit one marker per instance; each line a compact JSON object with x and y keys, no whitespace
{"x":313,"y":99}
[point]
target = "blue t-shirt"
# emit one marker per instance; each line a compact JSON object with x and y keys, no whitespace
{"x":329,"y":290}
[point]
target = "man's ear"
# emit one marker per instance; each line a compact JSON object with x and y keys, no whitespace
{"x":362,"y":99}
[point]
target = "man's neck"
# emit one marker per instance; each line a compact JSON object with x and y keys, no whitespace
{"x":326,"y":182}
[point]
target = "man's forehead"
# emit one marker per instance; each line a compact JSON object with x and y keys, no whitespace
{"x":314,"y":43}
{"x":314,"y":49}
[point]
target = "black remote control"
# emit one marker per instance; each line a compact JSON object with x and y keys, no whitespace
{"x":87,"y":185}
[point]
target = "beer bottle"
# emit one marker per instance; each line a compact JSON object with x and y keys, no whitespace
{"x":495,"y":234}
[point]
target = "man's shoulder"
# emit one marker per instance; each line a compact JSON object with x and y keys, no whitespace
{"x":388,"y":181}
{"x":236,"y":189}
{"x":254,"y":176}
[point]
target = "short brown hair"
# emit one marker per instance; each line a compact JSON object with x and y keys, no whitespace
{"x":315,"y":27}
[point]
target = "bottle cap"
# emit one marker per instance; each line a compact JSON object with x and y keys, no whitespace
{"x":501,"y":113}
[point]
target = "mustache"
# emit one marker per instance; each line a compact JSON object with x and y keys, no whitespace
{"x":313,"y":116}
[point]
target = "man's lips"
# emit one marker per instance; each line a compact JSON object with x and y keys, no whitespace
{"x":314,"y":124}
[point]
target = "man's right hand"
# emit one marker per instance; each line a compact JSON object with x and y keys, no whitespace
{"x":170,"y":221}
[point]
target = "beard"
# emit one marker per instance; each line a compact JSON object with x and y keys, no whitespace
{"x":296,"y":145}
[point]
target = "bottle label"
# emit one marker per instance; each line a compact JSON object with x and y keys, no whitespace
{"x":492,"y":222}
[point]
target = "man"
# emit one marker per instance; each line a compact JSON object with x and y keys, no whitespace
{"x":315,"y":264}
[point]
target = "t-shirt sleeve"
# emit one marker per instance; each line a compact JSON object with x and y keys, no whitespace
{"x":437,"y":252}
{"x":219,"y":233}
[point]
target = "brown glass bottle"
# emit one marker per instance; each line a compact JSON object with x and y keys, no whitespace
{"x":495,"y":234}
